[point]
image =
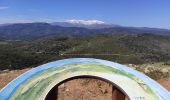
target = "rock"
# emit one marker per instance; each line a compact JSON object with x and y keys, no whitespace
{"x":67,"y":90}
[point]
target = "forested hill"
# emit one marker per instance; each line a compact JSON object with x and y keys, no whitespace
{"x":135,"y":49}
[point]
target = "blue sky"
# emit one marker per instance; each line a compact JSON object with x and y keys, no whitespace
{"x":140,"y":13}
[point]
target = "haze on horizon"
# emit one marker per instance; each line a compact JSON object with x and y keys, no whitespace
{"x":143,"y":13}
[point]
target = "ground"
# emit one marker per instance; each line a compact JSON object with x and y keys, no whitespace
{"x":85,"y":89}
{"x":165,"y":82}
{"x":7,"y":76}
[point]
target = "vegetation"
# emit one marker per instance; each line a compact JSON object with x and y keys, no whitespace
{"x":135,"y":49}
{"x":157,"y":74}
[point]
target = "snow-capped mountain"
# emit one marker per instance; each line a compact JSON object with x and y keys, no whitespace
{"x":85,"y":22}
{"x":91,"y":24}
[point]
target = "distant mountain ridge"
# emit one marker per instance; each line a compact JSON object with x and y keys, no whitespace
{"x":37,"y":30}
{"x":20,"y":31}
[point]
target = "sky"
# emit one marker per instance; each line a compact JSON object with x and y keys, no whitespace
{"x":138,"y":13}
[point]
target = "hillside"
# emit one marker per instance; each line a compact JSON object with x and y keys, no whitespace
{"x":135,"y":49}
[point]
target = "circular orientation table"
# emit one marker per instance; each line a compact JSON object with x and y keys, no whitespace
{"x":37,"y":83}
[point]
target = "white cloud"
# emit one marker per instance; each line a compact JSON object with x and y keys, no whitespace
{"x":3,"y":7}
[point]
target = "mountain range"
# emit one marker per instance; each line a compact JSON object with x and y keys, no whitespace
{"x":18,"y":31}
